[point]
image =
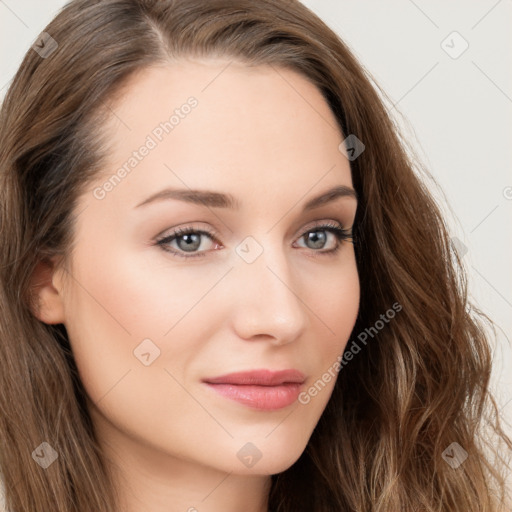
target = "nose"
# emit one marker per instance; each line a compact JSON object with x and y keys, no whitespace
{"x":267,"y":301}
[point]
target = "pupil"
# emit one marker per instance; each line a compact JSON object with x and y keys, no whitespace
{"x":192,"y":241}
{"x":317,"y":240}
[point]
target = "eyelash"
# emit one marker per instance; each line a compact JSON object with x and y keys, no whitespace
{"x":340,"y":233}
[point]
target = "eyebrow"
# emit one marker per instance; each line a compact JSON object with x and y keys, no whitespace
{"x":220,"y":200}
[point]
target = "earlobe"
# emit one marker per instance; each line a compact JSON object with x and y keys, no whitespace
{"x":46,"y":298}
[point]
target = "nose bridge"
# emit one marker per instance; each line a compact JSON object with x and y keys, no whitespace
{"x":267,"y":301}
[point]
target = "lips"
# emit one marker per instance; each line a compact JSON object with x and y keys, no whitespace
{"x":259,"y":389}
{"x":259,"y":378}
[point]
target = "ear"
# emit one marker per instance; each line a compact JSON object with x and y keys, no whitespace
{"x":46,"y":293}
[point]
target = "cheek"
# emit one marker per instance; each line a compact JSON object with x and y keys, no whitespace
{"x":116,"y":304}
{"x":116,"y":309}
{"x":334,"y":298}
{"x":141,"y":294}
{"x":338,"y":312}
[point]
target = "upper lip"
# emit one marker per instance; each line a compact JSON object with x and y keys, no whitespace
{"x":259,"y":378}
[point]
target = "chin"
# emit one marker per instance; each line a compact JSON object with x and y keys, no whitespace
{"x":272,"y":459}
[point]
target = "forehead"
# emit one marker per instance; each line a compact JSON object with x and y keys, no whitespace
{"x":220,"y":123}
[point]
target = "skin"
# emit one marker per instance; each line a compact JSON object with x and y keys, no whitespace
{"x":267,"y":136}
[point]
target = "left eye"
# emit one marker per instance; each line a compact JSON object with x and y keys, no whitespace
{"x":189,"y":240}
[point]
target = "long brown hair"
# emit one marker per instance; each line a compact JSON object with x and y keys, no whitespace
{"x":419,"y":385}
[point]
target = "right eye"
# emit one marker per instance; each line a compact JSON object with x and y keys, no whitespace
{"x":188,"y":240}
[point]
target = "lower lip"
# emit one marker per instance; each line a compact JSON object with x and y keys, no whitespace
{"x":260,"y":397}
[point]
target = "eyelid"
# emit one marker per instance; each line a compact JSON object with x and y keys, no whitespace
{"x":319,"y":223}
{"x":214,"y":234}
{"x":188,"y":227}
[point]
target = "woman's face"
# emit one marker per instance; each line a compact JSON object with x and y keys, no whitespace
{"x":249,"y":289}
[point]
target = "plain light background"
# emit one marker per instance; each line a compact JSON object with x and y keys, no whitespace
{"x":455,"y":111}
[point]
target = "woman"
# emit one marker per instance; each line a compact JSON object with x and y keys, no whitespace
{"x":224,"y":286}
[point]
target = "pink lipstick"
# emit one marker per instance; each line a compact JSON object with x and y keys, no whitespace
{"x":260,"y":389}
